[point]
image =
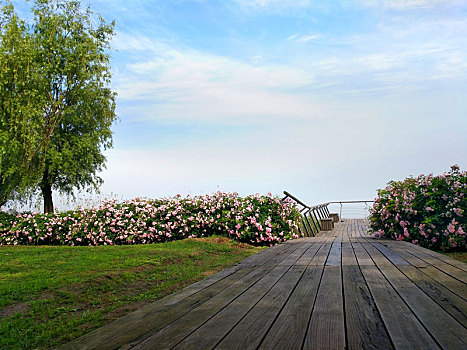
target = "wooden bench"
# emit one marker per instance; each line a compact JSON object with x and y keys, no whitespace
{"x":327,"y":224}
{"x":334,"y":216}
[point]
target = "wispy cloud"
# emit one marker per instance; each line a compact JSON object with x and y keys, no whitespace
{"x":402,"y":4}
{"x":303,"y":38}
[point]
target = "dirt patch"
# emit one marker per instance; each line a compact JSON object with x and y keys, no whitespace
{"x":139,"y":268}
{"x":124,"y":310}
{"x":209,"y":273}
{"x":13,"y":309}
{"x":219,"y":240}
{"x":172,"y":261}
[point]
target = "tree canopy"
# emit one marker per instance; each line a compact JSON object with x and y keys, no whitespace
{"x":56,"y":104}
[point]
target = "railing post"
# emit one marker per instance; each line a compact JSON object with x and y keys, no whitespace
{"x":313,"y":220}
{"x":309,"y":225}
{"x":304,"y":223}
{"x":318,"y":217}
{"x":321,"y":211}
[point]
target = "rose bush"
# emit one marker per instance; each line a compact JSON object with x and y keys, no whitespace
{"x":427,"y":210}
{"x":255,"y":219}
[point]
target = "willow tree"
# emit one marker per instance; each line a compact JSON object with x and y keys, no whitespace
{"x":21,"y":121}
{"x":74,"y":106}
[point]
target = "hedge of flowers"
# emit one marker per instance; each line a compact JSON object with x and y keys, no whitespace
{"x":255,"y":219}
{"x":427,"y":210}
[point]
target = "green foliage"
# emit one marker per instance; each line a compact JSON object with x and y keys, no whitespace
{"x":58,"y":78}
{"x":21,"y":115}
{"x":259,"y":220}
{"x":427,"y":210}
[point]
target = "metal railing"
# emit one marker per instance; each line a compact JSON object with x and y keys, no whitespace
{"x":312,"y":215}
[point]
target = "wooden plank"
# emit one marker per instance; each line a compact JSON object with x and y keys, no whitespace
{"x":289,"y":329}
{"x":250,"y":331}
{"x":446,"y":259}
{"x":447,"y":331}
{"x":262,"y":256}
{"x":440,"y":264}
{"x":271,"y":255}
{"x":362,"y":256}
{"x":322,"y":253}
{"x":432,"y":259}
{"x":403,"y":327}
{"x":335,"y":254}
{"x":412,"y":259}
{"x":444,"y":297}
{"x":326,"y":329}
{"x":390,"y":254}
{"x":215,"y":329}
{"x":175,"y":332}
{"x":432,"y":273}
{"x":220,"y":324}
{"x":365,"y":328}
{"x":285,"y":255}
{"x":449,"y":301}
{"x":308,"y":255}
{"x":294,"y":256}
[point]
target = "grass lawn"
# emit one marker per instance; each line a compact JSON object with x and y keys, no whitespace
{"x":50,"y":295}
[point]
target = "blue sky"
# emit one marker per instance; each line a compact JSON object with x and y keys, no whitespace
{"x":329,"y":100}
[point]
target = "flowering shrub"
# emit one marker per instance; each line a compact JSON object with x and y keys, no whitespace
{"x":427,"y":210}
{"x":260,"y":220}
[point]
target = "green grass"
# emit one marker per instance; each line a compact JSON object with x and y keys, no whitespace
{"x":461,"y":256}
{"x":50,"y":295}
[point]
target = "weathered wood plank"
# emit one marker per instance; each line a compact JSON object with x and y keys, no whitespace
{"x":335,"y":254}
{"x":294,"y":256}
{"x":403,"y":327}
{"x":322,"y":253}
{"x":308,"y":255}
{"x":412,"y":259}
{"x":444,"y":297}
{"x":249,"y":332}
{"x":365,"y":328}
{"x":432,"y":273}
{"x":285,"y":255}
{"x":177,"y":330}
{"x":391,"y":255}
{"x":447,"y":331}
{"x":211,"y":332}
{"x":448,"y":260}
{"x":439,"y":271}
{"x":289,"y":329}
{"x":326,"y":329}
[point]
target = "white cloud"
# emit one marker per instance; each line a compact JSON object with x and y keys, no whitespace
{"x":272,"y":3}
{"x":196,"y":85}
{"x":401,"y":4}
{"x":303,"y":38}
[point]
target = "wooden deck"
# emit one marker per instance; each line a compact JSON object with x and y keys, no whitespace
{"x":338,"y":290}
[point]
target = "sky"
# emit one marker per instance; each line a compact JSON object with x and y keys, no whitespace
{"x":328,"y":100}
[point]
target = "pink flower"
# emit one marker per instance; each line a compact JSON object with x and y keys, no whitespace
{"x":451,"y":228}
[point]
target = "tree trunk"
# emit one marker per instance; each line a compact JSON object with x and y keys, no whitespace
{"x":46,"y":188}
